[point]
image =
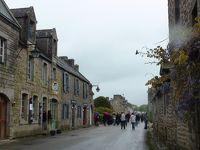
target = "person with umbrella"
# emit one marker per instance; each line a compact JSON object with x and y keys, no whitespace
{"x":105,"y":114}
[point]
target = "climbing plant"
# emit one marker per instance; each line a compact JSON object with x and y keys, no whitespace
{"x":184,"y":65}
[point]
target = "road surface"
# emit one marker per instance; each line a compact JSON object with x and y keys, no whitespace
{"x":93,"y":138}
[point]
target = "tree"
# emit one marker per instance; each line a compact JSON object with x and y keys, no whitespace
{"x":102,"y":101}
{"x":142,"y":108}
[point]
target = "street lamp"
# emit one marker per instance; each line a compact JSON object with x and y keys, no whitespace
{"x":35,"y":53}
{"x":97,"y":89}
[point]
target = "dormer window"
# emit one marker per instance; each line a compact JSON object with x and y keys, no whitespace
{"x":31,"y":31}
{"x":54,"y":47}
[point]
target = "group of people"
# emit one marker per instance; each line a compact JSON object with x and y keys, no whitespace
{"x":122,"y":118}
{"x":134,"y":118}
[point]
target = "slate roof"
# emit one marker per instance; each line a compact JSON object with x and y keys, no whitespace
{"x":23,"y":12}
{"x":7,"y":14}
{"x":46,"y":33}
{"x":69,"y":69}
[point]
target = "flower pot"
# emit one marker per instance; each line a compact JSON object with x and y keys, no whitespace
{"x":58,"y":131}
{"x":52,"y":132}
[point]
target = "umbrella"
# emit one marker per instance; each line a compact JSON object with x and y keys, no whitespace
{"x":106,"y":113}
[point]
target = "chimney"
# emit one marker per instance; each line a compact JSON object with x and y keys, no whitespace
{"x":64,"y":58}
{"x":76,"y":67}
{"x":71,"y":62}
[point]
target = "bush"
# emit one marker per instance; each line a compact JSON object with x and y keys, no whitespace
{"x":103,"y":109}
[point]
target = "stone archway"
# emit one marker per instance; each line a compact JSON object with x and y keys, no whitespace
{"x":3,"y":116}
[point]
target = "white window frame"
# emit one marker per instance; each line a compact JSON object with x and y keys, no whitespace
{"x":2,"y":48}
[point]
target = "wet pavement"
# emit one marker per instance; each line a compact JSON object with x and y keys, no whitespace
{"x":93,"y":138}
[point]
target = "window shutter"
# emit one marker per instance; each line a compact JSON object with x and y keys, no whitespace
{"x":68,"y":83}
{"x":64,"y":82}
{"x":78,"y":87}
{"x":86,"y":91}
{"x":74,"y":86}
{"x":83,"y":90}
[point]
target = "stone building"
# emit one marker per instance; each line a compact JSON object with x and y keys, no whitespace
{"x":40,"y":91}
{"x":9,"y":37}
{"x":119,"y":103}
{"x":172,"y":127}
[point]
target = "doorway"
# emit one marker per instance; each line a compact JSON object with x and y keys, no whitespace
{"x":73,"y":115}
{"x":85,"y":115}
{"x":3,"y":116}
{"x":54,"y":113}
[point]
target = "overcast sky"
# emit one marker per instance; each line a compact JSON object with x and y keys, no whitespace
{"x":102,"y":36}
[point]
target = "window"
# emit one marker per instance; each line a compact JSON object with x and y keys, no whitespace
{"x":24,"y":103}
{"x":31,"y":31}
{"x":44,"y":73}
{"x":85,"y":91}
{"x":79,"y":112}
{"x":194,"y":13}
{"x":76,"y":86}
{"x":66,"y":82}
{"x":54,"y":47}
{"x":65,"y":111}
{"x":177,"y":11}
{"x":54,"y":74}
{"x":2,"y":50}
{"x":30,"y":68}
{"x":35,"y":107}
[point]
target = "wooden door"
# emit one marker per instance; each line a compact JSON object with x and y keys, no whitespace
{"x":84,"y":115}
{"x":73,"y":115}
{"x":3,"y":107}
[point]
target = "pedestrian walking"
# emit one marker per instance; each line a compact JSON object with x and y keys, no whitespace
{"x":118,"y":118}
{"x":145,"y":121}
{"x":114,"y":119}
{"x":133,"y":121}
{"x":123,"y":121}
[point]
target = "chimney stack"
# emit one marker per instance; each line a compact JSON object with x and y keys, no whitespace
{"x":71,"y":62}
{"x":76,"y":67}
{"x":64,"y":58}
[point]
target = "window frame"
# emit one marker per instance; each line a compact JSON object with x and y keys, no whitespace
{"x":24,"y":106}
{"x":79,"y":112}
{"x":30,"y":72}
{"x":35,"y":103}
{"x":3,"y":48}
{"x":31,"y":30}
{"x":65,"y":111}
{"x":66,"y":82}
{"x":44,"y":73}
{"x":54,"y":74}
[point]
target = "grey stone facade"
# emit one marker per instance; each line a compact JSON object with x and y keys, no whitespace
{"x":171,"y":127}
{"x":119,"y":104}
{"x":38,"y":93}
